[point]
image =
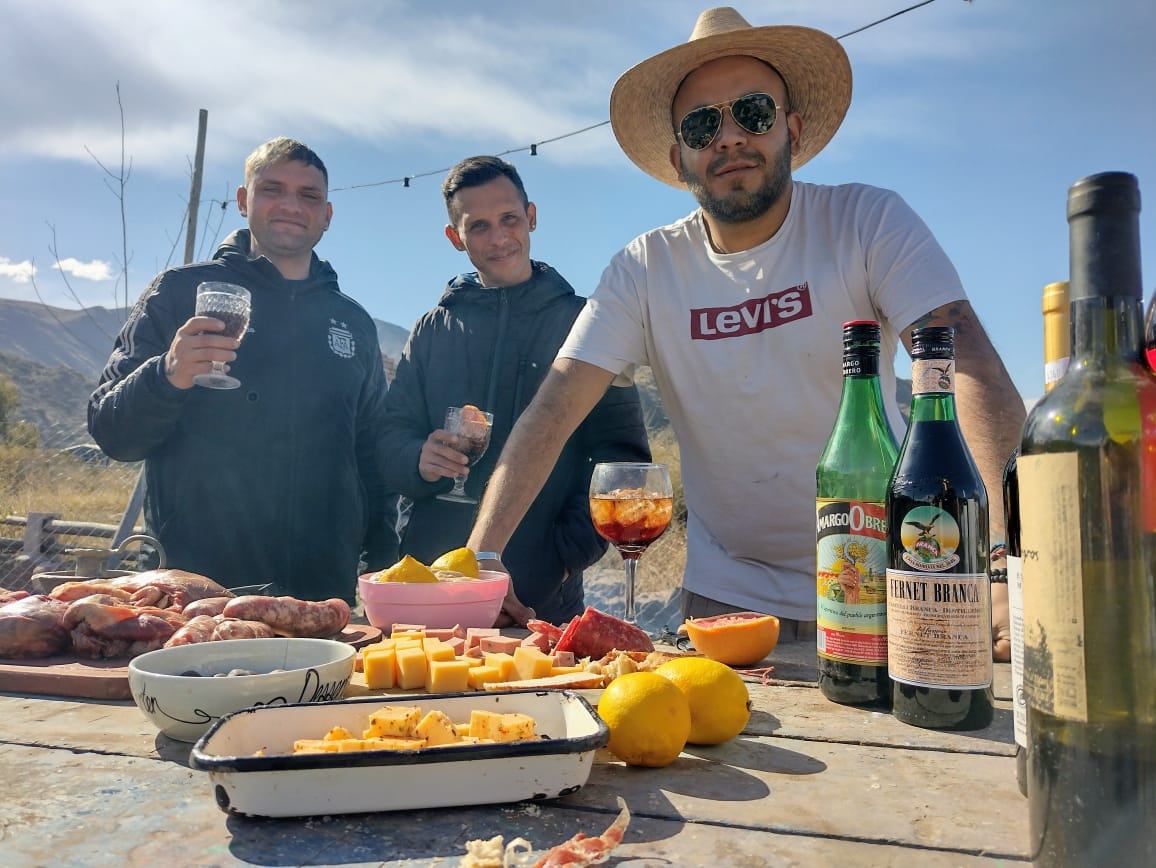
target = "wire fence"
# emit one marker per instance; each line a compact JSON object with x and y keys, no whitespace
{"x":56,"y":503}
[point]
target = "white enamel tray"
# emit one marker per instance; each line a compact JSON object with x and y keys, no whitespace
{"x":282,"y":784}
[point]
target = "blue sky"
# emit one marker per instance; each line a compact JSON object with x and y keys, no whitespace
{"x":980,"y":114}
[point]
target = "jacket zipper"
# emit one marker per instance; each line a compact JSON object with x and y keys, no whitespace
{"x":499,"y":342}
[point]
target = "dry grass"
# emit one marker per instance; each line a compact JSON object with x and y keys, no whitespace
{"x":35,"y":480}
{"x":39,"y":480}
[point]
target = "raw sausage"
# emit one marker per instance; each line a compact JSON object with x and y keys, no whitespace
{"x":207,"y":606}
{"x":199,"y":629}
{"x":289,"y":616}
{"x":234,"y":628}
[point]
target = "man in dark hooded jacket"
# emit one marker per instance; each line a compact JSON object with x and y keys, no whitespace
{"x":279,"y":480}
{"x":489,"y":342}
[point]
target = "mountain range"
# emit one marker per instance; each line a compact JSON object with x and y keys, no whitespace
{"x":54,"y":357}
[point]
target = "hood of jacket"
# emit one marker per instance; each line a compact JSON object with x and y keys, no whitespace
{"x":236,"y":250}
{"x":544,"y":287}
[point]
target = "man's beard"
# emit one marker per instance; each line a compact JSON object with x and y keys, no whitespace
{"x":739,"y":206}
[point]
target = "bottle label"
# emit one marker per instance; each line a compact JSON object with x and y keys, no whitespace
{"x":1054,"y":667}
{"x":1148,"y":456}
{"x":851,"y":569}
{"x":938,"y":623}
{"x":938,"y":629}
{"x":932,"y":376}
{"x":1015,"y":599}
{"x":1054,"y":371}
{"x":861,"y":364}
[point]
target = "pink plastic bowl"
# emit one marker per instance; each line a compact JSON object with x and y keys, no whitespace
{"x":470,"y":603}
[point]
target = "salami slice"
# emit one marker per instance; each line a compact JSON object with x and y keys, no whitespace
{"x":566,"y":640}
{"x":595,"y":634}
{"x":546,"y":629}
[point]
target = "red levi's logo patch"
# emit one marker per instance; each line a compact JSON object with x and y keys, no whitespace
{"x":752,"y":316}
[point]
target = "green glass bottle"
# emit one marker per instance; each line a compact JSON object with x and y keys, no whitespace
{"x":938,"y":590}
{"x":1089,"y":609}
{"x":851,"y":534}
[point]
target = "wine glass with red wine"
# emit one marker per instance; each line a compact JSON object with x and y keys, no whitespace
{"x":230,"y":304}
{"x":631,"y":504}
{"x":471,"y":428}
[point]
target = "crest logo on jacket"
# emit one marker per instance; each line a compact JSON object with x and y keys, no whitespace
{"x":341,"y":340}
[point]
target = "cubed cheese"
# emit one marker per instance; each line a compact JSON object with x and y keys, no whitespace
{"x":437,"y":729}
{"x":435,"y":649}
{"x":448,"y":676}
{"x":412,"y":668}
{"x":515,"y":727}
{"x":504,"y":663}
{"x":314,"y":745}
{"x":511,"y":726}
{"x":530,"y":662}
{"x":484,"y":723}
{"x":398,"y":721}
{"x":393,"y":744}
{"x":479,"y":675}
{"x":408,"y":634}
{"x":338,"y":732}
{"x":379,"y":667}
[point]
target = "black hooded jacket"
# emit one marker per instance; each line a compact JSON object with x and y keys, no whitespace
{"x":492,"y":347}
{"x":279,"y":480}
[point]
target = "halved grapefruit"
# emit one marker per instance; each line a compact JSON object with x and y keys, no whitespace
{"x":736,"y":639}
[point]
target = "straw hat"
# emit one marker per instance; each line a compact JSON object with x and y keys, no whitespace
{"x":812,"y":63}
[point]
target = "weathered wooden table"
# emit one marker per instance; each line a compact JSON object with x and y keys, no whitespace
{"x":808,"y":783}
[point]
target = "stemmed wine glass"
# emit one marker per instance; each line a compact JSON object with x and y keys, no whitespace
{"x":631,"y":504}
{"x":471,"y":427}
{"x":230,"y":304}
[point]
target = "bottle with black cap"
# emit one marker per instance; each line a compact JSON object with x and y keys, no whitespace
{"x":938,"y":591}
{"x":1089,"y":612}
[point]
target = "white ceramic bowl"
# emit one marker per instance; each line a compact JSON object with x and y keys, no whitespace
{"x":469,"y":603}
{"x":183,"y":706}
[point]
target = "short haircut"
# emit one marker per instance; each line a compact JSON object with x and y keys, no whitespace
{"x":279,"y":150}
{"x":473,"y":172}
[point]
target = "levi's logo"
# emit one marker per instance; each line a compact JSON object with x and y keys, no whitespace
{"x":752,"y":316}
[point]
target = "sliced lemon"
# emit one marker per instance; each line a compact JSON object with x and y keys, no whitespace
{"x":461,"y":560}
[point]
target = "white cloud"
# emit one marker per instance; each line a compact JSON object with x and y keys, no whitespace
{"x":95,"y":270}
{"x":18,"y":272}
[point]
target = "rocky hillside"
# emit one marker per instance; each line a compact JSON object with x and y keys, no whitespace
{"x":55,"y":356}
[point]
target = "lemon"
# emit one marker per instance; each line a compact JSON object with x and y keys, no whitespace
{"x":408,"y":569}
{"x":648,"y":717}
{"x":718,"y":698}
{"x":461,"y":560}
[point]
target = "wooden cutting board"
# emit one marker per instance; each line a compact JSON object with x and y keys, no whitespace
{"x":67,"y":675}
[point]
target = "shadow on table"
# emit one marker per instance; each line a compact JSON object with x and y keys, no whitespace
{"x":437,"y":836}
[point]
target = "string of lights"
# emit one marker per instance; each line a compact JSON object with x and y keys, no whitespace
{"x":532,"y":148}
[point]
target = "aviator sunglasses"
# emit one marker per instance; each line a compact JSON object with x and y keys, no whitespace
{"x":755,"y":113}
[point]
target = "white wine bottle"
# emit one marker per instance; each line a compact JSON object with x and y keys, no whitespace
{"x":1057,"y":347}
{"x":1089,"y":612}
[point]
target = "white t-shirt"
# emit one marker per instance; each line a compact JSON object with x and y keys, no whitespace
{"x":746,"y":350}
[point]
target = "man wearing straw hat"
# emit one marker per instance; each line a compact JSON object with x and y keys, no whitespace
{"x":738,"y":309}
